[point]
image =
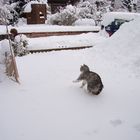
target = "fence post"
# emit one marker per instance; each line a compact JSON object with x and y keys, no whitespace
{"x":11,"y":66}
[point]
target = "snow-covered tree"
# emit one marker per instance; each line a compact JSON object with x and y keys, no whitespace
{"x":1,"y":2}
{"x":135,"y":5}
{"x":16,"y":7}
{"x":11,"y":10}
{"x":127,"y":4}
{"x":138,"y":6}
{"x":5,"y":14}
{"x":131,"y":5}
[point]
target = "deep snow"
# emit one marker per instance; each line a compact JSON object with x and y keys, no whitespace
{"x":48,"y":105}
{"x":88,"y":39}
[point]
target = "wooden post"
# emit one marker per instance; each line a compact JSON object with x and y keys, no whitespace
{"x":11,"y":67}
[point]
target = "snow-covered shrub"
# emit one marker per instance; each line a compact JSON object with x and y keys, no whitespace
{"x":20,"y":45}
{"x":130,"y":5}
{"x":127,"y":4}
{"x":66,"y":16}
{"x":86,"y":10}
{"x":93,"y":9}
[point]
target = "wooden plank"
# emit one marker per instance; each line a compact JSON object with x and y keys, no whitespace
{"x":46,"y":34}
{"x":59,"y":49}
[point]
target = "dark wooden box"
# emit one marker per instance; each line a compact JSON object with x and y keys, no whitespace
{"x":37,"y":15}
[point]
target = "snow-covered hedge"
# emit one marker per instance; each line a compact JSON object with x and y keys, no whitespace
{"x":71,"y":13}
{"x":84,"y":10}
{"x":65,"y":17}
{"x":20,"y":45}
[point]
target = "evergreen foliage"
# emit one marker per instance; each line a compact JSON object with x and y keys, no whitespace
{"x":20,"y":45}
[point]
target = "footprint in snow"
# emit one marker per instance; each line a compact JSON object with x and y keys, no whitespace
{"x":91,"y":132}
{"x":137,"y":127}
{"x":116,"y":122}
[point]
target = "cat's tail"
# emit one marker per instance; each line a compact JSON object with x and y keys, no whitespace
{"x":98,"y":89}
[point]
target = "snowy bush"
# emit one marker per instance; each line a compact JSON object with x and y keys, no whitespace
{"x":20,"y":45}
{"x":83,"y":10}
{"x":86,"y":10}
{"x":92,"y":11}
{"x":66,"y":16}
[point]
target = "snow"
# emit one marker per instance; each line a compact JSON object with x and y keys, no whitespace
{"x":48,"y":105}
{"x":128,"y":51}
{"x":84,"y":22}
{"x":28,"y":6}
{"x":49,"y":28}
{"x":20,"y":38}
{"x":110,"y":16}
{"x":89,"y":39}
{"x":4,"y":47}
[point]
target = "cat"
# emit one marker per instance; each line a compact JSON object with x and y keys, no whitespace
{"x":92,"y":79}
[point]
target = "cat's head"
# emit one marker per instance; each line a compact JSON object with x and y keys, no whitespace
{"x":84,"y":68}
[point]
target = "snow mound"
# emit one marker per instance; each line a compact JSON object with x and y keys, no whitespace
{"x":84,"y":22}
{"x":124,"y":45}
{"x":110,"y":16}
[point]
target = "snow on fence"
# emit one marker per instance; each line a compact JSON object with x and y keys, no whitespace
{"x":44,"y":31}
{"x":59,"y":49}
{"x":46,"y":34}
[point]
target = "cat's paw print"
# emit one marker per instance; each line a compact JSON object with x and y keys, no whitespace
{"x":116,"y":122}
{"x":137,"y":127}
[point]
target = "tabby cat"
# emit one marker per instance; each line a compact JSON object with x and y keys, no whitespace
{"x":92,"y":79}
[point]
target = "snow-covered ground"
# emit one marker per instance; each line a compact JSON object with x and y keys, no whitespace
{"x":48,"y":105}
{"x":89,"y":39}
